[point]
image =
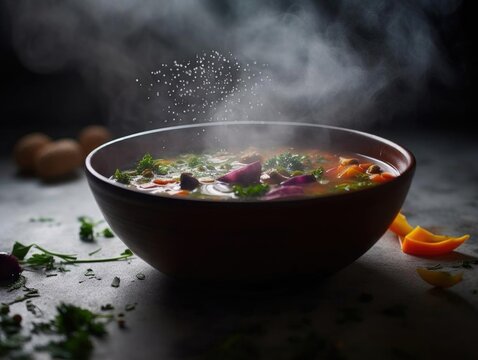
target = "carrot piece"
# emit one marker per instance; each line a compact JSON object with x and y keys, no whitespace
{"x":164,"y":181}
{"x":441,"y":279}
{"x":350,"y":172}
{"x":381,"y":178}
{"x":400,"y":225}
{"x":365,"y":166}
{"x":424,"y":243}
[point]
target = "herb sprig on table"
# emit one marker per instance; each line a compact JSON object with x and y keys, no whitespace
{"x":48,"y":259}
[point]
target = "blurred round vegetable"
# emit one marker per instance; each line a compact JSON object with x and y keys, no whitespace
{"x":93,"y":136}
{"x":10,"y":269}
{"x":58,"y":159}
{"x":26,"y":149}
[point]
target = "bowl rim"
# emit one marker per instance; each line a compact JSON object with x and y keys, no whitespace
{"x":90,"y":169}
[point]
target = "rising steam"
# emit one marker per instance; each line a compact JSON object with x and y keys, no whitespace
{"x":339,"y":62}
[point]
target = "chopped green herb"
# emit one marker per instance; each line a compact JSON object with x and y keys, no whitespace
{"x":107,"y":233}
{"x":318,"y":173}
{"x":162,"y":170}
{"x":35,"y":310}
{"x":353,"y":186}
{"x":116,"y":282}
{"x":122,"y":177}
{"x":22,"y":280}
{"x":86,"y":228}
{"x":250,"y":191}
{"x":42,"y":219}
{"x":130,"y":307}
{"x":76,"y":326}
{"x":146,"y":163}
{"x":11,"y":339}
{"x":94,"y":252}
{"x":288,"y":161}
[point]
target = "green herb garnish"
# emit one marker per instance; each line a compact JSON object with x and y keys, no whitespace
{"x":288,"y":161}
{"x":250,"y":191}
{"x":318,"y":173}
{"x":122,"y":177}
{"x":146,"y":163}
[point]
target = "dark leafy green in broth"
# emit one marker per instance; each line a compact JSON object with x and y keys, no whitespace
{"x":255,"y":174}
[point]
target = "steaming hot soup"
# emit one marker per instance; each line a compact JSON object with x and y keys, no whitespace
{"x":255,"y":174}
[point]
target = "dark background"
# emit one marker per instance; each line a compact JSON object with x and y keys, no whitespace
{"x":60,"y":103}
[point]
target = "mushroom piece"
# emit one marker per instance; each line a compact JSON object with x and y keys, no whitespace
{"x":348,"y":161}
{"x":374,"y":169}
{"x":188,"y":181}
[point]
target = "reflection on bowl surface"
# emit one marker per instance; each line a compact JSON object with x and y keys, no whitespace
{"x":250,"y":241}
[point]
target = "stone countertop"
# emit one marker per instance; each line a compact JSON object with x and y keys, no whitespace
{"x":376,"y":308}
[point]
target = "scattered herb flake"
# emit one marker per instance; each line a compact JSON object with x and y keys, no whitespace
{"x":107,"y":233}
{"x":22,"y":280}
{"x":42,"y":219}
{"x":107,"y":307}
{"x":94,"y":252}
{"x":86,"y":229}
{"x":130,"y":307}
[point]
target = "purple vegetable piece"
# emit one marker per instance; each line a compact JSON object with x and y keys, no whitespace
{"x":299,"y":180}
{"x":284,"y":192}
{"x":10,"y":269}
{"x":246,"y":175}
{"x":188,"y":182}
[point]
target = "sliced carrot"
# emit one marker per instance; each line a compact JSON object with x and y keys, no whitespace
{"x":181,"y":192}
{"x":350,"y":171}
{"x":164,"y":181}
{"x":424,"y":243}
{"x":381,"y":178}
{"x":442,"y":279}
{"x":400,"y":225}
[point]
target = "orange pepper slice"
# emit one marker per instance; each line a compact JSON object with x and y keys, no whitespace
{"x":441,"y":279}
{"x":424,"y":243}
{"x":400,"y":225}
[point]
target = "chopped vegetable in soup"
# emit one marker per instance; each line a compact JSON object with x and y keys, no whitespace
{"x":254,"y":174}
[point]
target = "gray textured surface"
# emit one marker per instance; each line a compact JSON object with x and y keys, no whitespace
{"x":177,"y":322}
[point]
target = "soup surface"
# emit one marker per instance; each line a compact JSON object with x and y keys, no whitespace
{"x":255,"y":174}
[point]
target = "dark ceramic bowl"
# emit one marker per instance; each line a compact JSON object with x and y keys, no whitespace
{"x":253,"y":240}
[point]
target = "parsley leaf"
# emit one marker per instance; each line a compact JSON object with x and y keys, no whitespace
{"x":122,"y":177}
{"x":146,"y":163}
